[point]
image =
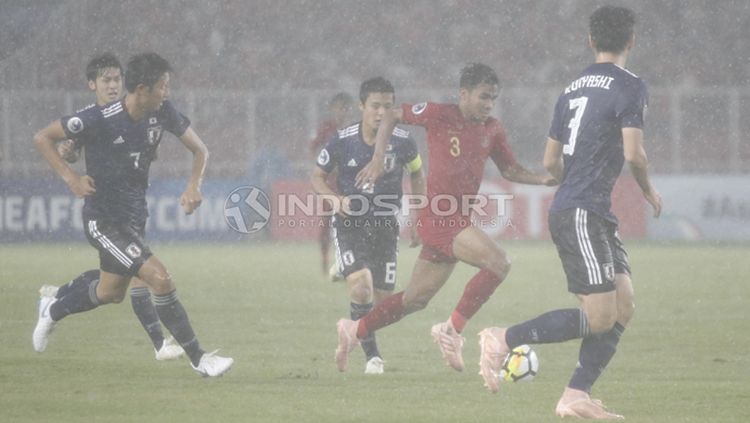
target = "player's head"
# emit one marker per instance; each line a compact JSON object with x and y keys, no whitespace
{"x":478,"y":89}
{"x":611,"y":29}
{"x":104,"y":74}
{"x":376,"y":96}
{"x":340,"y":107}
{"x":147,"y":77}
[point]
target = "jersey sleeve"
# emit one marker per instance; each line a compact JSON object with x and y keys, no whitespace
{"x":412,"y":160}
{"x":82,"y":125}
{"x":328,"y":156}
{"x":419,"y":114}
{"x":174,"y":121}
{"x":631,"y":104}
{"x":556,"y":127}
{"x":501,"y":152}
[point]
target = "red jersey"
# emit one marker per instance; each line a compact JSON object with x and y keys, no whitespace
{"x":326,"y":131}
{"x":457,"y":150}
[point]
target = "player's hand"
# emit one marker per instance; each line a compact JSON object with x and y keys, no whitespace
{"x":416,"y":241}
{"x":550,"y":181}
{"x":191,"y":199}
{"x":82,"y":186}
{"x":370,"y":173}
{"x":654,"y":199}
{"x":66,"y":149}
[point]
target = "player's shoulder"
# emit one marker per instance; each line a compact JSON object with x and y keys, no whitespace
{"x":351,"y":131}
{"x":430,"y":108}
{"x":629,"y":79}
{"x":400,"y":133}
{"x":111,"y":110}
{"x":86,"y":107}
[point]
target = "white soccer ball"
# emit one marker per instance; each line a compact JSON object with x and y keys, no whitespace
{"x":521,"y":364}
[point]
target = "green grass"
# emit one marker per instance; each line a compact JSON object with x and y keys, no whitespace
{"x":684,"y":357}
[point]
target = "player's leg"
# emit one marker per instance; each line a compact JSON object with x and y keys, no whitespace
{"x":324,"y":238}
{"x":140,"y":299}
{"x":597,"y":350}
{"x":174,"y":317}
{"x":84,"y":278}
{"x":427,"y":278}
{"x":79,"y":298}
{"x":474,"y":247}
{"x":585,"y":254}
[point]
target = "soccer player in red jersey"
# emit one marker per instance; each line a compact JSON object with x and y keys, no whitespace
{"x":340,"y":107}
{"x":460,"y":138}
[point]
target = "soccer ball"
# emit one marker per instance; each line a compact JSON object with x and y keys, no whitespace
{"x":521,"y":364}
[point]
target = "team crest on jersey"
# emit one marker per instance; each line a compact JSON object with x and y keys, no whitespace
{"x":75,"y":125}
{"x":485,"y":142}
{"x":609,"y":271}
{"x":323,"y":157}
{"x":417,"y":109}
{"x":154,"y":134}
{"x":133,"y":250}
{"x":390,"y":162}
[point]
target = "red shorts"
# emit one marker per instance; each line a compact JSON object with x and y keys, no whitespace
{"x":437,"y":235}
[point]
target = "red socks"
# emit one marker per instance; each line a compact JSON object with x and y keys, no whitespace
{"x":477,"y":292}
{"x":388,"y":311}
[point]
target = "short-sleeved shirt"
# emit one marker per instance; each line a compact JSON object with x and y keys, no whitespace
{"x":588,"y":121}
{"x":348,"y":152}
{"x":119,"y":152}
{"x":457,"y":152}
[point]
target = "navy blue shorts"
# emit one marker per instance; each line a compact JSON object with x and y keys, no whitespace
{"x":590,"y":250}
{"x":122,"y":250}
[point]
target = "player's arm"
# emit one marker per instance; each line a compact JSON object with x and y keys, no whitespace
{"x":521,"y":175}
{"x":192,"y":198}
{"x":553,"y":161}
{"x":417,"y":184}
{"x":635,"y":155}
{"x":319,"y":181}
{"x":372,"y":171}
{"x":45,"y":141}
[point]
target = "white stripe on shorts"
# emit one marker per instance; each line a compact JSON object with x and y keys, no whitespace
{"x":587,"y":251}
{"x":108,"y":245}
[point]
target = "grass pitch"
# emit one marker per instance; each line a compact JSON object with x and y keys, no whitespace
{"x":684,"y":357}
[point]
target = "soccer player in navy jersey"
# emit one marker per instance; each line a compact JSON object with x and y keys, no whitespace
{"x":119,"y":140}
{"x":597,"y":126}
{"x":365,"y":227}
{"x":460,"y":139}
{"x":340,"y":109}
{"x":104,"y":75}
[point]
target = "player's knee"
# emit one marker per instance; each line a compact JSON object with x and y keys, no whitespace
{"x":602,"y":321}
{"x":111,"y":296}
{"x":361,"y":293}
{"x":161,"y":282}
{"x":500,"y":265}
{"x":625,"y":310}
{"x":360,"y":286}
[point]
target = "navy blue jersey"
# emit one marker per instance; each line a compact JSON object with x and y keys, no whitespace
{"x":348,"y":152}
{"x":588,"y":121}
{"x":118,"y":156}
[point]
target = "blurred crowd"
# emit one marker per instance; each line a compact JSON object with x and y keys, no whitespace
{"x":236,"y":44}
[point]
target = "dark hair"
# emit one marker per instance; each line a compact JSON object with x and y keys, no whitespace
{"x":375,"y":85}
{"x":97,"y":64}
{"x":146,"y":69}
{"x":474,"y":74}
{"x":342,"y":99}
{"x":611,"y":28}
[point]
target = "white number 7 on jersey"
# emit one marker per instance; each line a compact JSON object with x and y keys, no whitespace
{"x":136,"y":157}
{"x":579,"y":105}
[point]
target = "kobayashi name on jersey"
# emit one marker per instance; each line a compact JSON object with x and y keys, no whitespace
{"x":590,"y":81}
